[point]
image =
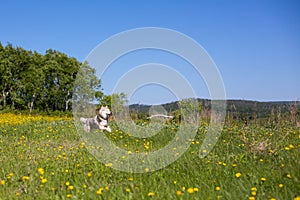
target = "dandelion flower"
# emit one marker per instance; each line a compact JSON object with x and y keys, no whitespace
{"x":108,"y":164}
{"x":289,"y":175}
{"x":196,"y":189}
{"x":263,"y":179}
{"x":238,"y":175}
{"x":178,"y":193}
{"x":69,"y":195}
{"x":151,"y":194}
{"x":218,"y":188}
{"x":71,"y":187}
{"x":190,"y":190}
{"x":280,"y":185}
{"x":67,"y":183}
{"x":41,"y":171}
{"x":127,"y":189}
{"x":99,"y":192}
{"x":25,"y":178}
{"x":89,"y":174}
{"x":2,"y":182}
{"x":44,"y":180}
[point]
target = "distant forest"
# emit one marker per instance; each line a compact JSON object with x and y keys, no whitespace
{"x":240,"y":110}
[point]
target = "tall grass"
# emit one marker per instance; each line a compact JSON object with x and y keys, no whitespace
{"x":47,"y":159}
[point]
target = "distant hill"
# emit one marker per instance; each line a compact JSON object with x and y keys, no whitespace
{"x":235,"y":108}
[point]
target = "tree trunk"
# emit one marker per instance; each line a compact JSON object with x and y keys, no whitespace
{"x":67,"y":101}
{"x":67,"y":104}
{"x":31,"y":103}
{"x":4,"y":98}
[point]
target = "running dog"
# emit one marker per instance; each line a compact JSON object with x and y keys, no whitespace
{"x":99,"y":121}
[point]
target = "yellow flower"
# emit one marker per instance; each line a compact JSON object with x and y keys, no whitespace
{"x":151,"y":194}
{"x":196,"y":189}
{"x":44,"y":180}
{"x":130,"y":179}
{"x":69,"y":195}
{"x":251,"y":198}
{"x":297,"y":198}
{"x":280,"y":185}
{"x":253,"y":193}
{"x":41,"y":171}
{"x":127,"y":189}
{"x":108,"y":164}
{"x":254,"y":189}
{"x":99,"y":192}
{"x":190,"y":190}
{"x":289,"y":175}
{"x":2,"y":182}
{"x":218,"y":188}
{"x":178,"y":193}
{"x":238,"y":175}
{"x":25,"y":178}
{"x":67,"y":183}
{"x":89,"y":174}
{"x":263,"y":179}
{"x":71,"y":187}
{"x":10,"y":175}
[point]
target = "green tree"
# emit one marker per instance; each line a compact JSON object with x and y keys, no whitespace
{"x":32,"y":81}
{"x":87,"y":89}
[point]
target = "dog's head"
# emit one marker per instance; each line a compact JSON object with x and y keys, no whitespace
{"x":105,"y":109}
{"x":104,"y":112}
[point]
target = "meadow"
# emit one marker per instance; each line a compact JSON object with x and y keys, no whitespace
{"x":44,"y":158}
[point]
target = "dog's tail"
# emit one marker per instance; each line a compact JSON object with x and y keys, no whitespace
{"x":83,"y":120}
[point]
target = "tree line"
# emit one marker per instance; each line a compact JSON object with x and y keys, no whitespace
{"x":32,"y":81}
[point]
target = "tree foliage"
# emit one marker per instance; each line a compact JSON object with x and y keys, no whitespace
{"x":29,"y":80}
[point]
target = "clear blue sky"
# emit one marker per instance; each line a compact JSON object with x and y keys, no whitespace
{"x":255,"y":44}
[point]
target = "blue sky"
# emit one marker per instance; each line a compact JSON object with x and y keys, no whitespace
{"x":255,"y":44}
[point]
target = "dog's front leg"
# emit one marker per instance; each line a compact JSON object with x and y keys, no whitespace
{"x":108,"y":129}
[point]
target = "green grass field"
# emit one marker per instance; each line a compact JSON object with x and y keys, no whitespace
{"x":46,"y":159}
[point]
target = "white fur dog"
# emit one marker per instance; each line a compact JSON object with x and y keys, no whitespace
{"x":99,"y":121}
